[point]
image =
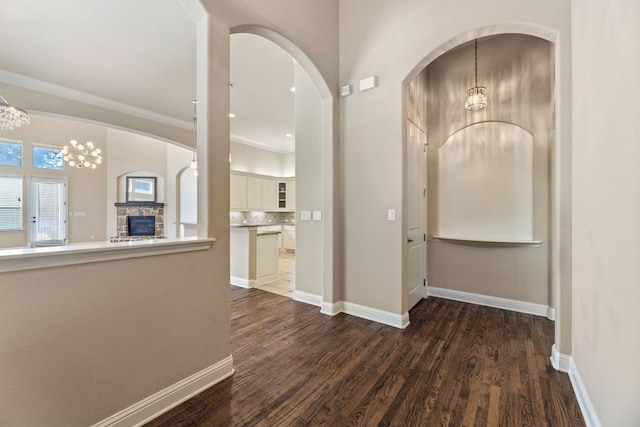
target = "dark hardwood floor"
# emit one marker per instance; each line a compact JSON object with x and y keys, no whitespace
{"x":456,"y":365}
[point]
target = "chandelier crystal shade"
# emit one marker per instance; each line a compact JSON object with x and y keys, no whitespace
{"x":12,"y":117}
{"x":82,"y":155}
{"x":476,"y":98}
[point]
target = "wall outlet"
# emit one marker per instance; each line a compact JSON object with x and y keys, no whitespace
{"x":317,"y":215}
{"x":305,"y":215}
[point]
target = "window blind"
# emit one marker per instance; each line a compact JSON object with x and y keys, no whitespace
{"x":10,"y":202}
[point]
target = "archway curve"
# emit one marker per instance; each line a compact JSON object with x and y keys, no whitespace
{"x":539,"y":31}
{"x":330,"y":287}
{"x":292,"y":50}
{"x":560,"y":171}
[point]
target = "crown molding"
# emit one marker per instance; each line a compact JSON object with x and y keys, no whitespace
{"x":262,"y":145}
{"x":87,"y":98}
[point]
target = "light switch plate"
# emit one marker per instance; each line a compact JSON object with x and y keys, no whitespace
{"x":317,"y":215}
{"x":391,"y":215}
{"x":305,"y":215}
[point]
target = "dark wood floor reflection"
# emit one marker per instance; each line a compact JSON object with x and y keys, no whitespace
{"x":456,"y":365}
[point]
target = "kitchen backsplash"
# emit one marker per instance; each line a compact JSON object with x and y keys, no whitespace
{"x":260,"y":217}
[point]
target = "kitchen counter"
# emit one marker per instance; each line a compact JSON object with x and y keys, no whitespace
{"x":265,"y":233}
{"x":254,"y":255}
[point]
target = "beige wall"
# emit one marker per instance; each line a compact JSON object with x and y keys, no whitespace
{"x":34,"y":101}
{"x":177,"y":160}
{"x":86,"y":188}
{"x":606,"y":155}
{"x":309,"y":241}
{"x":82,"y":342}
{"x":517,"y":70}
{"x":395,"y":40}
{"x":133,"y":153}
{"x":246,"y":158}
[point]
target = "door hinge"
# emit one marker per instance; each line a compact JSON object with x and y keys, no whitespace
{"x":424,"y":192}
{"x":424,"y":237}
{"x":424,"y":282}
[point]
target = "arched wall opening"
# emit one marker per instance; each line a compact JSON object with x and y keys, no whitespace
{"x":558,"y":252}
{"x":315,"y":171}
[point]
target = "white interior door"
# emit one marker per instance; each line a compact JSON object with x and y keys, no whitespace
{"x":416,"y":213}
{"x":48,"y":211}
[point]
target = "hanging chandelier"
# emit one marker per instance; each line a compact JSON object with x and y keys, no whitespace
{"x":12,"y":117}
{"x":82,"y":155}
{"x":194,"y":162}
{"x":476,"y":98}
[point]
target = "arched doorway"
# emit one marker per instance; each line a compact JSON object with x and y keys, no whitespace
{"x":316,"y":247}
{"x":558,"y":285}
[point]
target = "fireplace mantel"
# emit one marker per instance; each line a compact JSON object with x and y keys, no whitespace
{"x":140,"y":204}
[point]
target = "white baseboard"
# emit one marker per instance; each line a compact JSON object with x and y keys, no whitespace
{"x":164,"y":400}
{"x":489,"y":301}
{"x":551,"y":314}
{"x":264,"y":280}
{"x":588,"y":411}
{"x":380,"y":316}
{"x":331,"y":309}
{"x":560,"y":362}
{"x":243,"y":283}
{"x":307,"y":298}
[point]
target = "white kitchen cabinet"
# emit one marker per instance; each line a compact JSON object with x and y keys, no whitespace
{"x":269,"y":194}
{"x":254,"y":193}
{"x":238,"y":192}
{"x":267,"y":268}
{"x":261,"y":193}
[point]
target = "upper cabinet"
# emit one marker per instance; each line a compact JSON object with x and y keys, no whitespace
{"x":238,"y":192}
{"x":269,"y":194}
{"x":254,"y":193}
{"x":249,"y":192}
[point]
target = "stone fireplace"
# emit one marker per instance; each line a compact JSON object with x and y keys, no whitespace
{"x":125,"y":210}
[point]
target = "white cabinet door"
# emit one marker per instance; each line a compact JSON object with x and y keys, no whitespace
{"x":238,"y":192}
{"x":269,"y":194}
{"x":267,"y":258}
{"x":254,"y":193}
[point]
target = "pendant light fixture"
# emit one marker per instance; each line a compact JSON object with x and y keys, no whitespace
{"x":476,"y":98}
{"x":82,"y":155}
{"x":12,"y":117}
{"x":194,"y":162}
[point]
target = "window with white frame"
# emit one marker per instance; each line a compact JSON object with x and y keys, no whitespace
{"x":10,"y":202}
{"x":10,"y":152}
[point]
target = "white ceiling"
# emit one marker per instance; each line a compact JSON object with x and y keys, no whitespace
{"x":142,"y":53}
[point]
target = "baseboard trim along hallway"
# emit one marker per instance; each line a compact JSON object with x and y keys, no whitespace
{"x":307,"y":298}
{"x":364,"y":312}
{"x":489,"y":301}
{"x":165,"y":400}
{"x":588,"y":411}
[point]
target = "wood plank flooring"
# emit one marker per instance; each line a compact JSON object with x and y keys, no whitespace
{"x":456,"y":365}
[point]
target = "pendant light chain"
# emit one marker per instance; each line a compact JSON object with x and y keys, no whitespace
{"x":476,"y":83}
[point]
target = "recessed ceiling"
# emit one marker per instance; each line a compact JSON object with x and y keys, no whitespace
{"x":142,"y":53}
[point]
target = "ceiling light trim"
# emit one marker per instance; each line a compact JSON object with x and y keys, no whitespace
{"x":87,"y":98}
